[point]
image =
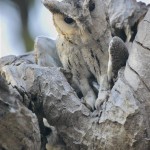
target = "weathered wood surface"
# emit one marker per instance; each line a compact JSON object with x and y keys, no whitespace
{"x":125,"y":119}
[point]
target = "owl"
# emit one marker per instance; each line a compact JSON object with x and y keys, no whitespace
{"x":82,"y":44}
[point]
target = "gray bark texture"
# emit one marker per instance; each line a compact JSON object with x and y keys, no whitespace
{"x":124,"y":16}
{"x":29,"y":93}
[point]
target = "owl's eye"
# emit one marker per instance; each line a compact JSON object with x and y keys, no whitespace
{"x":68,"y":20}
{"x":91,"y":6}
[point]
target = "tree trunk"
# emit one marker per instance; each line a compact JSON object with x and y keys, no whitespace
{"x":124,"y":122}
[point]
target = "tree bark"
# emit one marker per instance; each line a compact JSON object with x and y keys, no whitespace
{"x":124,"y":122}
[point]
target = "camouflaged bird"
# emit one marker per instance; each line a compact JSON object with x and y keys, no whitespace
{"x":83,"y":46}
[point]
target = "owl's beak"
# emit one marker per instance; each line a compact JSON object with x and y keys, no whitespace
{"x":89,"y":30}
{"x":55,"y":6}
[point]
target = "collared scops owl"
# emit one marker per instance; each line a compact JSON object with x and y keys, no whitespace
{"x":83,"y":42}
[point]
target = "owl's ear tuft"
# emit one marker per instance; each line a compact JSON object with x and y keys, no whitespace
{"x":53,"y":5}
{"x":56,"y":7}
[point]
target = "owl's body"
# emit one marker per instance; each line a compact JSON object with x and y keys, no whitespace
{"x":73,"y":61}
{"x":83,"y":41}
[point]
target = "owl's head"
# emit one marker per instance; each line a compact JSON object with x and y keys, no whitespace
{"x":79,"y":20}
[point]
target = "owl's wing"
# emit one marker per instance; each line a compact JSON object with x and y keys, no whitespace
{"x":118,"y":55}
